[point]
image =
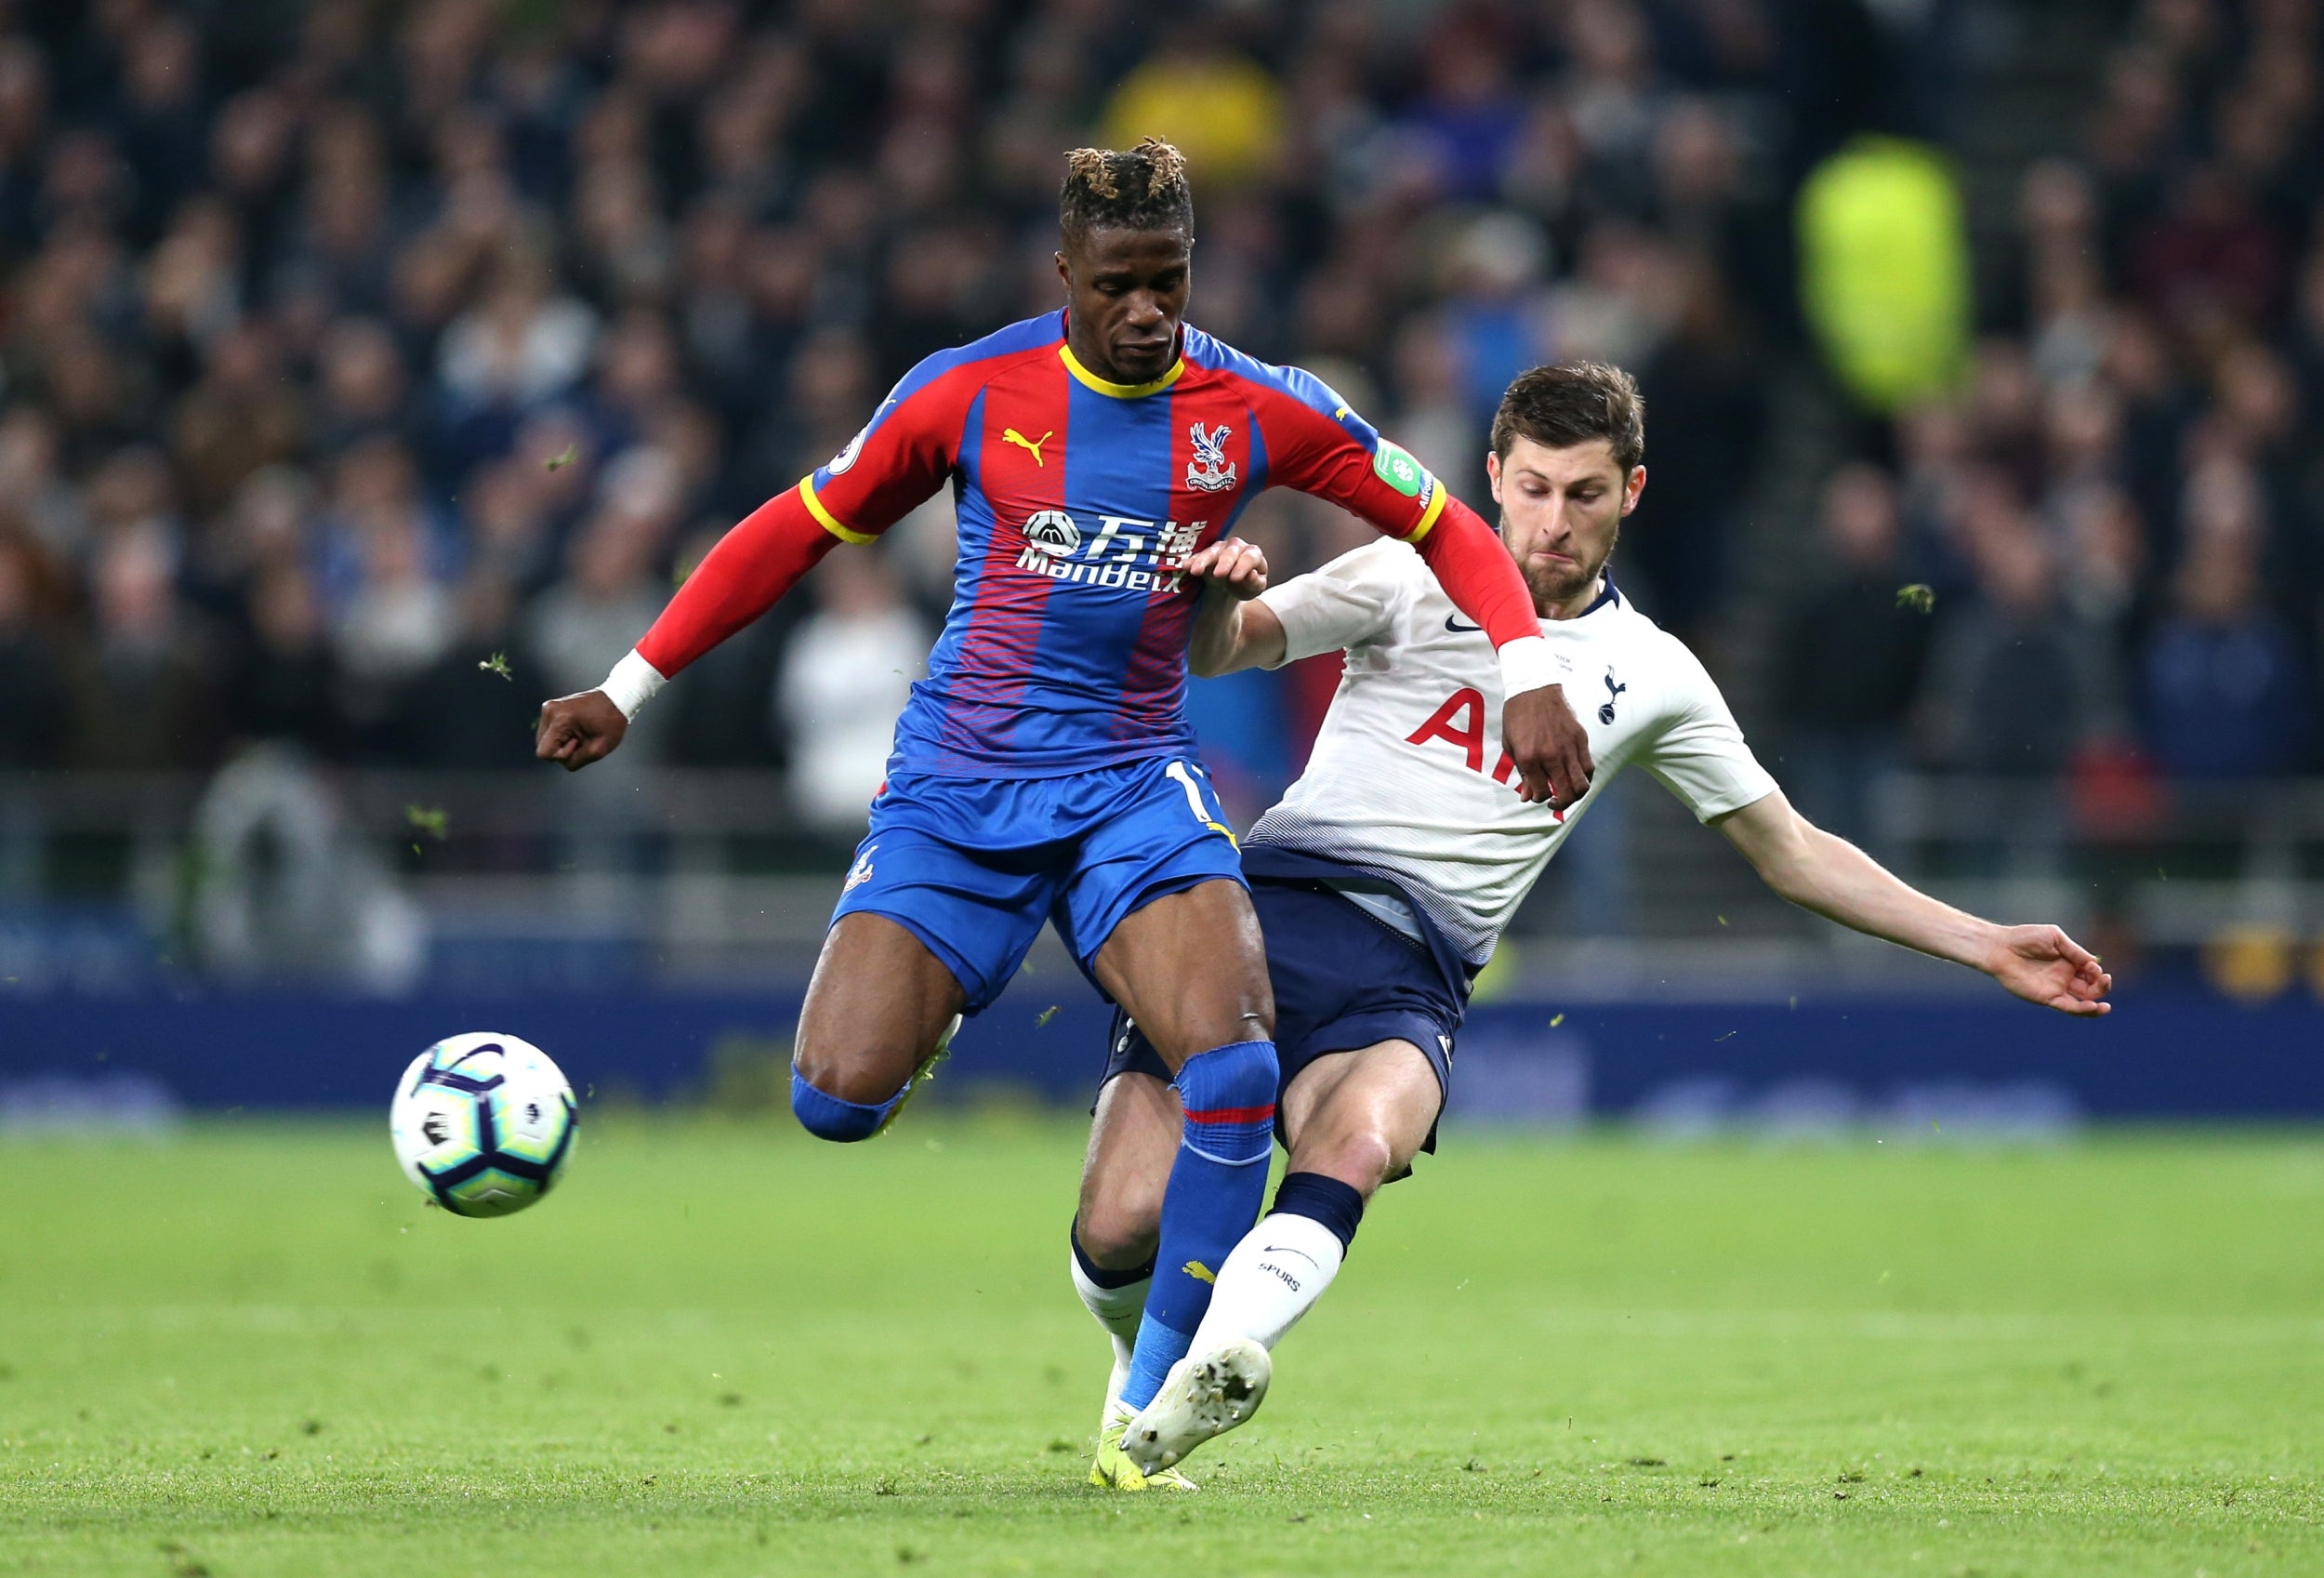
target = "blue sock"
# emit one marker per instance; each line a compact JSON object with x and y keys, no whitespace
{"x":1216,"y":1185}
{"x":835,"y":1118}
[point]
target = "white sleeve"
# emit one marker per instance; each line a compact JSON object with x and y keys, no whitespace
{"x":1699,"y":754}
{"x":1346,"y":603}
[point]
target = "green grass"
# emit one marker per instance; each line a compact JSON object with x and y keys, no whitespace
{"x":725,"y":1349}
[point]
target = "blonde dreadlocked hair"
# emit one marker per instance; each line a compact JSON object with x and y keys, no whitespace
{"x":1141,"y":188}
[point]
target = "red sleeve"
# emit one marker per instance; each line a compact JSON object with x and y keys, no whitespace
{"x":754,"y":564}
{"x":1327,"y":450}
{"x":1476,"y":572}
{"x":903,"y":455}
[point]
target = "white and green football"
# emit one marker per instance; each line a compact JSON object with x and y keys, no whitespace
{"x":482,"y":1123}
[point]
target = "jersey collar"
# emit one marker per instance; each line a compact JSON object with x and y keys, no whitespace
{"x":1606,"y":595}
{"x":1120,"y":390}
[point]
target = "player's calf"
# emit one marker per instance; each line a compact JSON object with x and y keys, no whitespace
{"x":1118,"y":1226}
{"x":1356,"y":1120}
{"x":1116,"y":1297}
{"x":1118,"y":1218}
{"x":1217,"y":1181}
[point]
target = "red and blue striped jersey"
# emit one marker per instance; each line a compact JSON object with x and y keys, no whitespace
{"x":1079,"y":500}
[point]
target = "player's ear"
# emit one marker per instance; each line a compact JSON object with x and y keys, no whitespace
{"x":1064,"y":271}
{"x":1493,"y":474}
{"x":1632,"y":486}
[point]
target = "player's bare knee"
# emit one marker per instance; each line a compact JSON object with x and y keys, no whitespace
{"x":851,"y":1073}
{"x":1247,"y":1022}
{"x":1363,"y":1157}
{"x":843,"y":1094}
{"x":1119,"y":1226}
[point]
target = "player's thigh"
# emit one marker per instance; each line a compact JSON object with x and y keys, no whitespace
{"x":879,"y":1000}
{"x":1133,"y":1140}
{"x":1190,"y":968}
{"x":955,"y":863}
{"x":1362,"y":1116}
{"x":1156,"y":912}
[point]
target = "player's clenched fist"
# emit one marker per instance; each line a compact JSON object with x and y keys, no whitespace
{"x":1549,"y":746}
{"x":1230,"y":564}
{"x":578,"y":730}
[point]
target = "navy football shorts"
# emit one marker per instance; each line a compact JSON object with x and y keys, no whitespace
{"x":971,"y":867}
{"x":1343,"y":980}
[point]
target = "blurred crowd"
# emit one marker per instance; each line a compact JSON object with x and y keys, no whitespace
{"x":370,"y":369}
{"x":2119,"y":520}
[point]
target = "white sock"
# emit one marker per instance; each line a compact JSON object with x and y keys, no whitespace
{"x":1274,"y":1276}
{"x":1116,"y":1309}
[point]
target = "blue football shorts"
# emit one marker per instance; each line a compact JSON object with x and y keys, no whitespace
{"x":1343,"y":980}
{"x":971,"y":867}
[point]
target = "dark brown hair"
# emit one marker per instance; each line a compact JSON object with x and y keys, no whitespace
{"x":1141,"y":188}
{"x":1571,"y":404}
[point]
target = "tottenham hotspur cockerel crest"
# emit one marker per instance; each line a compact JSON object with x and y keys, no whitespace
{"x":1209,"y":470}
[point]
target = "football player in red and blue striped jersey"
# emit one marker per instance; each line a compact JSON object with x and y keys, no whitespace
{"x":1044,"y":770}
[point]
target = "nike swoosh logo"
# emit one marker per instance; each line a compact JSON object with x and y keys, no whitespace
{"x":1286,"y":1249}
{"x":1452,"y":623}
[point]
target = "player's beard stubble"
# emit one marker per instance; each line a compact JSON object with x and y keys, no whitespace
{"x":1552,"y":586}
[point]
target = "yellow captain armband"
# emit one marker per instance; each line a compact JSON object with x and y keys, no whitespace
{"x":1428,"y":516}
{"x":829,"y":522}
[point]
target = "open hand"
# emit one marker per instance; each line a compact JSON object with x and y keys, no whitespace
{"x":2042,"y":965}
{"x":1549,"y":746}
{"x":1233,"y":565}
{"x":578,"y":730}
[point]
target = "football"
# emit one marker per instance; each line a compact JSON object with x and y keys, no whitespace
{"x":482,"y":1123}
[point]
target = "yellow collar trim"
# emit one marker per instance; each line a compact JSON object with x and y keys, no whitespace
{"x":1120,"y":391}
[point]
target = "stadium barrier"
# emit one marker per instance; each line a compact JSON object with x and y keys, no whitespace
{"x":1982,"y":1066}
{"x":277,"y":871}
{"x":166,"y":939}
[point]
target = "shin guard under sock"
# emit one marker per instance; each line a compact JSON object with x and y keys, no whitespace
{"x":1216,"y":1186}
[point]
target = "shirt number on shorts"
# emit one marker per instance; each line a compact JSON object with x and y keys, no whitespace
{"x":1193,"y":802}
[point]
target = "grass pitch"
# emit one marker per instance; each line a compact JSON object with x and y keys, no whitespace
{"x":726,"y":1350}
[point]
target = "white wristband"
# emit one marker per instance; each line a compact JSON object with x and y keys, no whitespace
{"x":1530,"y":663}
{"x":632,"y":684}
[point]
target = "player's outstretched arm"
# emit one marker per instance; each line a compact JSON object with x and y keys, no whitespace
{"x":1232,"y":630}
{"x":754,"y":564}
{"x":1838,"y":880}
{"x":901,"y":457}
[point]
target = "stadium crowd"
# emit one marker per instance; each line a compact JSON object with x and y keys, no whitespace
{"x":370,"y":369}
{"x":2120,"y":513}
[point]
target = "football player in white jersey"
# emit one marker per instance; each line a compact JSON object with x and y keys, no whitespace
{"x":1389,"y":870}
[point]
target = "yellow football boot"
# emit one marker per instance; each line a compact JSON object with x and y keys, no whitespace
{"x":1113,"y":1471}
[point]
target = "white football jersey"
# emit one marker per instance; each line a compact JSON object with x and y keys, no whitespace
{"x":1408,"y":780}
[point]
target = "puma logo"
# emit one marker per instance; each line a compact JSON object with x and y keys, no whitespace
{"x":1200,"y":1272}
{"x":1030,"y":446}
